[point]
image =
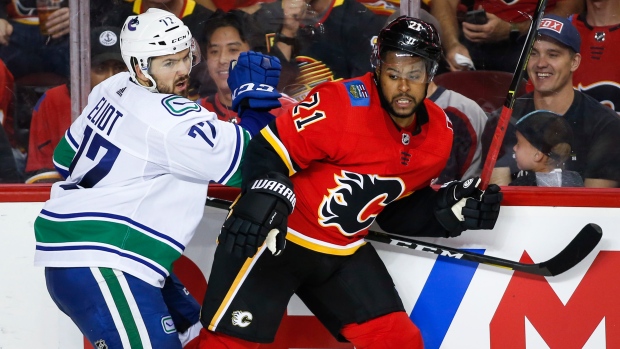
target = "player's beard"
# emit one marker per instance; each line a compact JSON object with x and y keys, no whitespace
{"x":172,"y":89}
{"x":387,"y":105}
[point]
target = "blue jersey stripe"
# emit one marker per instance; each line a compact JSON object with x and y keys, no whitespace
{"x":159,"y":271}
{"x":235,"y":156}
{"x":72,"y":140}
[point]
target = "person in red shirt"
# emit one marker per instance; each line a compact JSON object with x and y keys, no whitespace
{"x":599,"y":73}
{"x":495,"y":45}
{"x":227,"y":35}
{"x":351,"y":152}
{"x":6,"y":98}
{"x":227,"y":5}
{"x":51,"y":116}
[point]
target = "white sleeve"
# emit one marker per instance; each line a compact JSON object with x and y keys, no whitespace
{"x":206,"y":150}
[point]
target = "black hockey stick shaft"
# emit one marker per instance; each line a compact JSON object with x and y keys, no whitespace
{"x":504,"y":118}
{"x":585,"y":241}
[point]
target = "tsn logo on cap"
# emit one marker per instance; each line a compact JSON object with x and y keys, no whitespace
{"x":551,"y":24}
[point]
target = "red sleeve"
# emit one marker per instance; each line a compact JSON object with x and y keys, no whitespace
{"x":6,"y":98}
{"x":313,"y":128}
{"x":51,"y":117}
{"x":511,"y":11}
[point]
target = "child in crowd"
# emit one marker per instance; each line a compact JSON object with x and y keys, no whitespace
{"x":543,"y":145}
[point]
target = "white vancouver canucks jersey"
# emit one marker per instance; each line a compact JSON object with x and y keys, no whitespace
{"x":137,"y":167}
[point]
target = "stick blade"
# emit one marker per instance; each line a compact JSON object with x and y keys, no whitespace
{"x":581,"y":246}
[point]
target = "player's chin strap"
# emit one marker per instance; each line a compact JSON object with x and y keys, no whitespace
{"x":152,"y":89}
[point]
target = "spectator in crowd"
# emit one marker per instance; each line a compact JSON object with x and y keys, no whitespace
{"x":543,"y":145}
{"x":382,"y":7}
{"x":496,"y":44}
{"x":8,"y":167}
{"x":325,"y":40}
{"x":227,"y":35}
{"x":555,"y":56}
{"x":51,"y":116}
{"x":599,"y":72}
{"x":227,"y":5}
{"x":24,"y":49}
{"x":193,"y":15}
{"x":6,"y":99}
{"x":468,"y":122}
{"x":388,"y":7}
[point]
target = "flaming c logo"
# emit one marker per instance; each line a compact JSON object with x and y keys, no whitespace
{"x":356,"y":200}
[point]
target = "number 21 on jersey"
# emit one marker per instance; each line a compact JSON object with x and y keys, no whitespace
{"x":308,"y":105}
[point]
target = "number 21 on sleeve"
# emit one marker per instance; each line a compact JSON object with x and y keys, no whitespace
{"x":309,"y":104}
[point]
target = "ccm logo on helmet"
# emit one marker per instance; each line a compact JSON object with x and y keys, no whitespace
{"x":179,"y":39}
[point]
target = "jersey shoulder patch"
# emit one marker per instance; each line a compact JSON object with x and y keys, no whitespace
{"x":358,"y":93}
{"x":179,"y":106}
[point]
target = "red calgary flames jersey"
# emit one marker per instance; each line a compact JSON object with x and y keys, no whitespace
{"x":348,"y":159}
{"x":510,"y":10}
{"x":598,"y":74}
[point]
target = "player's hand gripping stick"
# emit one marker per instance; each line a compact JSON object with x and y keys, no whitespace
{"x":462,"y":205}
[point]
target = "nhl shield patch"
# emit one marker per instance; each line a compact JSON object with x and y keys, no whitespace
{"x":358,"y":94}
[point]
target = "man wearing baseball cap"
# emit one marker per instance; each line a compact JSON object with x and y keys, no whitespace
{"x":51,"y":116}
{"x":555,"y":56}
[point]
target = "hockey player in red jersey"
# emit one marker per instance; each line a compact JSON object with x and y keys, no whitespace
{"x":316,"y":179}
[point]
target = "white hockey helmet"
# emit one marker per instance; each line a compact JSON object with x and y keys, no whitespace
{"x":151,"y":34}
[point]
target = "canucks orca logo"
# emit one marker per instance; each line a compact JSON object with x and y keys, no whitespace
{"x":178,"y":106}
{"x":606,"y":92}
{"x":356,"y":200}
{"x":132,"y":24}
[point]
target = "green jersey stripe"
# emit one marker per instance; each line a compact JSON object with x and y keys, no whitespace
{"x":64,"y":153}
{"x":123,"y":237}
{"x":122,"y":306}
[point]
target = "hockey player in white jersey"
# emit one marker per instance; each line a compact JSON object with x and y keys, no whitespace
{"x":137,"y":163}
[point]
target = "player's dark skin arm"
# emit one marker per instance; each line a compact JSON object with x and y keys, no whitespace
{"x":413,"y":215}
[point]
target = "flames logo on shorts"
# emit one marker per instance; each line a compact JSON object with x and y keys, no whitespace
{"x":241,"y":318}
{"x":353,"y":205}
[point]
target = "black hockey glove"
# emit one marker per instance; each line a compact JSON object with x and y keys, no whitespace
{"x":261,"y":213}
{"x":461,"y":206}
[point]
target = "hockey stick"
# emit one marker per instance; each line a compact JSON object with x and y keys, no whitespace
{"x":585,"y":241}
{"x":504,"y":118}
